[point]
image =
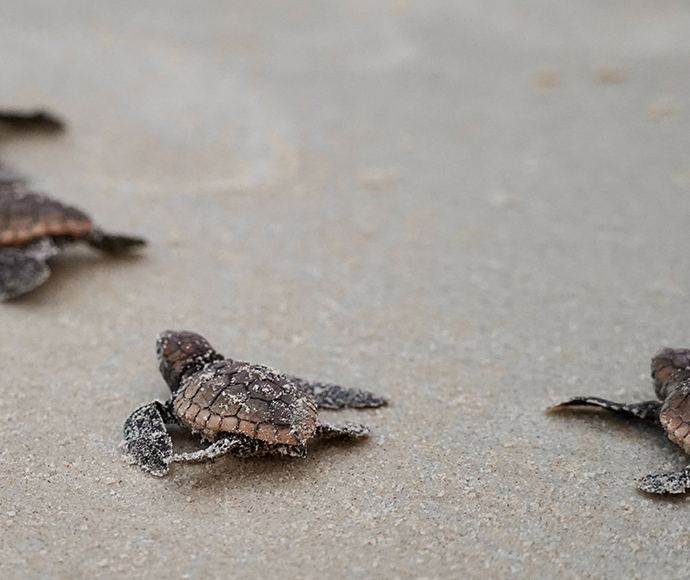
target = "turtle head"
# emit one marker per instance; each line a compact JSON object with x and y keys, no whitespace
{"x":667,"y":365}
{"x":181,"y":353}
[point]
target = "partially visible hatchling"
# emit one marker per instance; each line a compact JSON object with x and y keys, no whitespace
{"x":671,"y":375}
{"x":243,"y":409}
{"x":35,"y":227}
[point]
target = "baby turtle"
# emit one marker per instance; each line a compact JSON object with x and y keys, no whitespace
{"x":241,"y":408}
{"x":671,"y":375}
{"x":35,"y":227}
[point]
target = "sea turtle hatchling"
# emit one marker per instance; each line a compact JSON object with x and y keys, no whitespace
{"x":241,"y":408}
{"x":35,"y":227}
{"x":671,"y":375}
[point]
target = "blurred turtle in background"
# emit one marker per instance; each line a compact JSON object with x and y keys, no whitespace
{"x":671,"y":411}
{"x":35,"y":227}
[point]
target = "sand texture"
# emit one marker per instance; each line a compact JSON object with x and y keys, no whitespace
{"x":477,"y":209}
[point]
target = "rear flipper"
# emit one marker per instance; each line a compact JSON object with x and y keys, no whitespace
{"x":330,"y":396}
{"x":647,"y":410}
{"x":20,"y":272}
{"x":346,"y":429}
{"x":41,"y":120}
{"x":113,"y":244}
{"x":146,"y":438}
{"x":678,"y":482}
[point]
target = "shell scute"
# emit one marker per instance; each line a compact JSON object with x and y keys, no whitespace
{"x":256,"y":411}
{"x":281,"y":413}
{"x":229,"y":424}
{"x":265,"y":390}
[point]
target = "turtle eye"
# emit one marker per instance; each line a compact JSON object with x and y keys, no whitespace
{"x":662,"y":372}
{"x":681,"y":358}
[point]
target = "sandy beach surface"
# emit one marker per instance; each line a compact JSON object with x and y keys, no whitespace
{"x":475,"y":209}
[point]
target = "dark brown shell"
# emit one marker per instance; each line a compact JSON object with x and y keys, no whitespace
{"x":675,"y":415}
{"x":237,"y":397}
{"x":26,"y":216}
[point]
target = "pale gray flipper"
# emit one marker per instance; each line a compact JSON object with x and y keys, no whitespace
{"x":227,"y":443}
{"x":647,"y":410}
{"x":23,"y":269}
{"x":146,"y":438}
{"x":663,"y":483}
{"x":346,"y":429}
{"x":239,"y":445}
{"x":330,"y":396}
{"x":20,"y":273}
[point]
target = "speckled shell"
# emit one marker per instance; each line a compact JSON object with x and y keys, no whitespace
{"x":675,"y":415}
{"x":238,"y":397}
{"x":26,"y":216}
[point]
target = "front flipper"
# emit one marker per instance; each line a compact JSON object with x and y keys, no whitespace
{"x":647,"y":410}
{"x":330,"y":396}
{"x":20,"y":272}
{"x":346,"y":429}
{"x":228,"y":443}
{"x":678,"y":482}
{"x":112,"y":243}
{"x":147,"y":439}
